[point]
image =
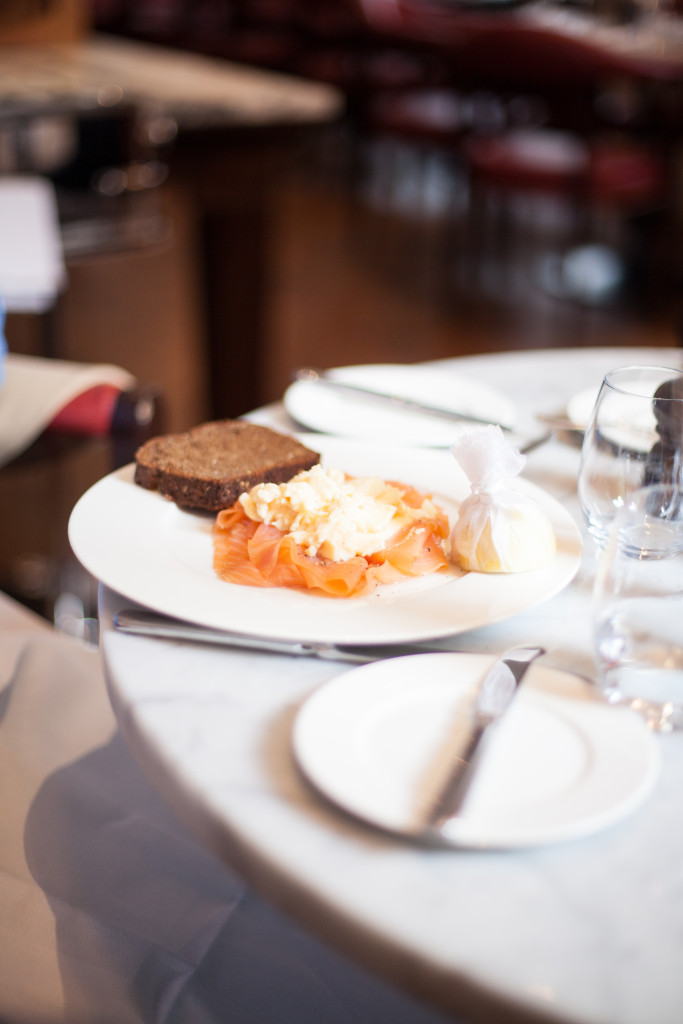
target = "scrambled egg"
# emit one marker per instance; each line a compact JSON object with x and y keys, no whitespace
{"x":333,"y":515}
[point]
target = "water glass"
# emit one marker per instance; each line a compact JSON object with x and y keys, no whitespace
{"x":638,"y":607}
{"x":634,"y":438}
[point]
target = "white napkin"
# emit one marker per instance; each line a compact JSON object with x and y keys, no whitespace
{"x":32,"y":270}
{"x":35,"y":389}
{"x":110,"y":911}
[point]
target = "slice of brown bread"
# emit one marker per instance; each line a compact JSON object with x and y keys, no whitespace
{"x":209,"y":466}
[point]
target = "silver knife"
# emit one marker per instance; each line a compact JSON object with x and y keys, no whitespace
{"x":494,"y":696}
{"x":308,"y":375}
{"x":152,"y":624}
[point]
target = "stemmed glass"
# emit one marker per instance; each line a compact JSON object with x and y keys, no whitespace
{"x":634,"y":439}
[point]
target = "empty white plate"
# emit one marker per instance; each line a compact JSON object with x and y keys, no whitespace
{"x":560,"y":765}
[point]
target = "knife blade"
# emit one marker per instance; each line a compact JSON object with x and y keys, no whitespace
{"x":494,"y":696}
{"x":141,"y":622}
{"x":308,"y":375}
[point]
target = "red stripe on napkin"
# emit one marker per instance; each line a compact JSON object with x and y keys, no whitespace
{"x":89,"y":413}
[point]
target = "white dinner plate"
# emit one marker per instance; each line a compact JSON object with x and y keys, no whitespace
{"x":319,"y":408}
{"x":141,"y":545}
{"x":560,"y":765}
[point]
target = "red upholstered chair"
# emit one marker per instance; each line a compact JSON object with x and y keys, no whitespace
{"x":515,"y":177}
{"x":413,"y":162}
{"x":435,"y":116}
{"x":610,"y":190}
{"x":566,"y":58}
{"x":515,"y":44}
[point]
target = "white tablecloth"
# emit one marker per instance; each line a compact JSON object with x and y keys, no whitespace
{"x":110,"y":912}
{"x":586,"y":931}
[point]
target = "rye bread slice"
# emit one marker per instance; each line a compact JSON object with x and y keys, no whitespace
{"x":209,"y":466}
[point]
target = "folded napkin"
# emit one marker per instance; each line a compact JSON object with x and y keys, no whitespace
{"x":110,"y":911}
{"x":36,"y":391}
{"x":32,"y":270}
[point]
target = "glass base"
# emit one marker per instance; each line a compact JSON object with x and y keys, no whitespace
{"x":666,"y":717}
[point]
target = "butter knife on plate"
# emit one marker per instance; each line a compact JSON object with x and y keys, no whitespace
{"x":494,"y":696}
{"x":313,"y":377}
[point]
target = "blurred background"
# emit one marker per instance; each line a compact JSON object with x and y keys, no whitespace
{"x":447,"y":187}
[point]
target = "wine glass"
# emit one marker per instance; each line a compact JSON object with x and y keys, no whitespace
{"x":634,"y":438}
{"x":638,"y":607}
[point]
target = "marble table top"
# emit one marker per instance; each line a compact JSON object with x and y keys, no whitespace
{"x":587,"y":931}
{"x":197,"y":91}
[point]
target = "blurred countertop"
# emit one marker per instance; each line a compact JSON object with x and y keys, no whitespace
{"x":198,"y":92}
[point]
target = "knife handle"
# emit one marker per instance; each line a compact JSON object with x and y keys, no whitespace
{"x":455,"y":788}
{"x":152,"y":624}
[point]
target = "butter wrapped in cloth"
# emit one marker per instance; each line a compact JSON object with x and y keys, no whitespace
{"x":499,"y":528}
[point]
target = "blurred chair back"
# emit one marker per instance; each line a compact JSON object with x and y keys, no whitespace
{"x":521,"y":42}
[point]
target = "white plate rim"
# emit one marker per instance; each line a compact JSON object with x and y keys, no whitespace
{"x":624,"y":765}
{"x":126,"y":537}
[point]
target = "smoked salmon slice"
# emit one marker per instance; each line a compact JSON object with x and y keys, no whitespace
{"x":260,"y":555}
